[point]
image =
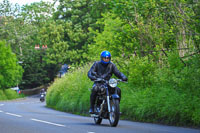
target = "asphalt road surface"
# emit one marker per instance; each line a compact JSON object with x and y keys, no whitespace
{"x":29,"y":115}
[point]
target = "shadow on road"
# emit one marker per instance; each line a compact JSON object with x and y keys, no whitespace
{"x":91,"y":124}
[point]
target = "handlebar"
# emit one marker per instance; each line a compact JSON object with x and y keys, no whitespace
{"x":120,"y":80}
{"x":103,"y":80}
{"x":100,"y":79}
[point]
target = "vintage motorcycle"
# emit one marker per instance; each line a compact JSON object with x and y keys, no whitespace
{"x":107,"y":102}
{"x":42,"y":96}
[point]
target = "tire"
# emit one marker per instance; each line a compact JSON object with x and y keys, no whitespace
{"x":115,"y":112}
{"x":97,"y":120}
{"x":42,"y":99}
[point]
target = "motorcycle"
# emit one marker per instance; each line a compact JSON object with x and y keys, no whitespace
{"x":42,"y":96}
{"x":107,"y":103}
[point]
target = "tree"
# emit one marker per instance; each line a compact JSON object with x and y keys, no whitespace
{"x":10,"y":70}
{"x":21,"y":29}
{"x":77,"y":16}
{"x":116,"y":37}
{"x":37,"y":13}
{"x":153,"y":25}
{"x":38,"y":68}
{"x":7,"y":9}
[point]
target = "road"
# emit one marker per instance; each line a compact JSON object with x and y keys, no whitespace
{"x":29,"y":115}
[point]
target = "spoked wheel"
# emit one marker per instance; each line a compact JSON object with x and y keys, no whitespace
{"x":97,"y":120}
{"x":114,"y":112}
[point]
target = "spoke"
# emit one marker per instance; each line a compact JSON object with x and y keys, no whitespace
{"x":112,"y":113}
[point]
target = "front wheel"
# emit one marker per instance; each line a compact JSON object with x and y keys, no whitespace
{"x":114,"y":112}
{"x":42,"y":99}
{"x":97,"y":120}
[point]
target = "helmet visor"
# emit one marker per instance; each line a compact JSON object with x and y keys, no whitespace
{"x":106,"y":59}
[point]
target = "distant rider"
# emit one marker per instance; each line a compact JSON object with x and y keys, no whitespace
{"x":103,"y":69}
{"x":42,"y":91}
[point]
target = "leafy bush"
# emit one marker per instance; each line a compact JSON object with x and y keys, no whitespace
{"x":141,"y":72}
{"x":2,"y":95}
{"x":9,"y":94}
{"x":161,"y":105}
{"x":10,"y":71}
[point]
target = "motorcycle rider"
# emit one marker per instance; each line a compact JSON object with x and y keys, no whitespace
{"x":42,"y":94}
{"x":42,"y":91}
{"x":103,"y":69}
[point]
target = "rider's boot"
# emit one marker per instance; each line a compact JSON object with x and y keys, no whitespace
{"x":92,"y":102}
{"x":91,"y":111}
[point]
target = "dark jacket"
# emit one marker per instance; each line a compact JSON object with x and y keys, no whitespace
{"x":99,"y":70}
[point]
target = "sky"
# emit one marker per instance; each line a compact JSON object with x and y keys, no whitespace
{"x":23,"y":2}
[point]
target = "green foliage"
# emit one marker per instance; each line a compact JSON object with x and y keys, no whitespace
{"x":179,"y":77}
{"x":191,"y":75}
{"x":161,"y":105}
{"x":37,"y":13}
{"x":70,"y":93}
{"x":143,"y":25}
{"x":10,"y":71}
{"x":141,"y":72}
{"x":77,"y":17}
{"x":37,"y":70}
{"x":9,"y":94}
{"x":52,"y":34}
{"x":7,"y":8}
{"x":116,"y":37}
{"x":2,"y":95}
{"x":23,"y":33}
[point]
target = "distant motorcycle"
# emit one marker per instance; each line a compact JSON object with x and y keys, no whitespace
{"x":107,"y":104}
{"x":42,"y":96}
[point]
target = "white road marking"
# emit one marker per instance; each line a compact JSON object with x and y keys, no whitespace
{"x":48,"y":122}
{"x":1,"y":104}
{"x":1,"y":111}
{"x":91,"y":132}
{"x":13,"y":114}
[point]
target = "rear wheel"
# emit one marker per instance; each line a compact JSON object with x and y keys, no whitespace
{"x":114,"y":112}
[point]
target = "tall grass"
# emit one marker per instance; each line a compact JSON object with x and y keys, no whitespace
{"x":71,"y":93}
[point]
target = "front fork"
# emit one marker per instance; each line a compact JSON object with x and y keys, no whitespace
{"x":108,"y":100}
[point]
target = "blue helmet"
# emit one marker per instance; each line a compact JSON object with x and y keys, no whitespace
{"x":105,"y":54}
